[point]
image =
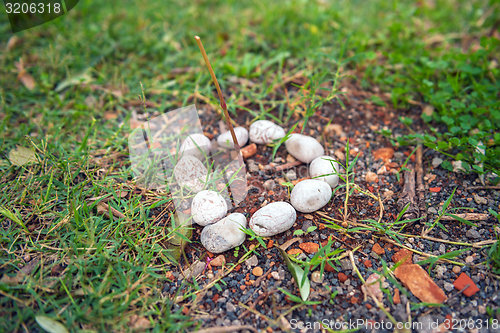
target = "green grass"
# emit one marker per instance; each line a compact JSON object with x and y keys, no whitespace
{"x":107,"y":262}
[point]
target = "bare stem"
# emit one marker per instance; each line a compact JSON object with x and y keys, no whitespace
{"x":221,"y":98}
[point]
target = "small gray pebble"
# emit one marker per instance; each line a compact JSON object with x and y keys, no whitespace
{"x":449,"y":286}
{"x":471,"y":233}
{"x":252,"y":261}
{"x":230,"y":307}
{"x":291,"y":175}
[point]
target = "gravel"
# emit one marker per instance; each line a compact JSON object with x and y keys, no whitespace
{"x":349,"y":303}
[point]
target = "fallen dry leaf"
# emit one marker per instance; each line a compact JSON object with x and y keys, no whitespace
{"x":287,"y":244}
{"x":21,"y":274}
{"x":13,"y":42}
{"x":21,"y":156}
{"x":26,"y":79}
{"x":141,"y":323}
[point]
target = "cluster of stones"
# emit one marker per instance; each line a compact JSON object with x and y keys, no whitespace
{"x":209,"y":208}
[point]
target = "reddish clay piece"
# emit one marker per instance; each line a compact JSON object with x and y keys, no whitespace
{"x":462,"y":281}
{"x":415,"y":278}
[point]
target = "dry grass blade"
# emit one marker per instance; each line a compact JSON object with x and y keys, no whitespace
{"x":285,"y":245}
{"x":375,"y":299}
{"x":467,"y":216}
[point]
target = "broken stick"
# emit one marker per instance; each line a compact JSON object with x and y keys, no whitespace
{"x":420,"y":182}
{"x":407,"y":196}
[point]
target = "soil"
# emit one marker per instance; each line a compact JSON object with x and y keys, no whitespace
{"x":361,"y":122}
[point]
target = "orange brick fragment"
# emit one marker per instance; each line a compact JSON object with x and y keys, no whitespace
{"x":309,"y":247}
{"x":403,"y":254}
{"x":378,"y":249}
{"x":462,"y":281}
{"x":294,"y":251}
{"x":416,"y":279}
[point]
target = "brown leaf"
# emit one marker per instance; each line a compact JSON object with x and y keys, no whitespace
{"x":26,"y":79}
{"x":19,"y":277}
{"x":13,"y":42}
{"x":141,"y":324}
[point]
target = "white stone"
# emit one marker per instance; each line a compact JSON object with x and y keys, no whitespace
{"x":457,"y":166}
{"x":226,"y":139}
{"x":191,"y":173}
{"x":436,"y":161}
{"x":273,"y":219}
{"x":208,"y":207}
{"x":197,"y":145}
{"x":225,"y":234}
{"x":264,"y":132}
{"x":325,"y":165}
{"x":310,"y":195}
{"x":317,"y":277}
{"x":304,"y":148}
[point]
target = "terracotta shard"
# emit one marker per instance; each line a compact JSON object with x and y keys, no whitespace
{"x":249,"y":150}
{"x":416,"y":279}
{"x":396,"y":298}
{"x":294,"y":251}
{"x":342,"y":277}
{"x":378,"y":249}
{"x":403,"y":254}
{"x":309,"y":247}
{"x":464,"y":280}
{"x":383,"y":153}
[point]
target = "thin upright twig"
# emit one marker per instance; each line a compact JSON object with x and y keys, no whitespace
{"x":221,"y":98}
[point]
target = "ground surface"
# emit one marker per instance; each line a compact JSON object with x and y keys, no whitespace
{"x":82,"y":244}
{"x":221,"y":305}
